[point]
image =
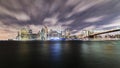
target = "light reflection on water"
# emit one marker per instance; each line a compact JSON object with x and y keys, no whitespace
{"x":103,"y":54}
{"x":55,"y":50}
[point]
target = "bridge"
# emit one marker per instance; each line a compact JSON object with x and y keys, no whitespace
{"x":95,"y":34}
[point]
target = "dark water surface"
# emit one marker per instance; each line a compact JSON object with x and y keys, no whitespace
{"x":71,"y":54}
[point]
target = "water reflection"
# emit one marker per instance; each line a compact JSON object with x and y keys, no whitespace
{"x":55,"y":50}
{"x":23,"y":54}
{"x":75,"y":54}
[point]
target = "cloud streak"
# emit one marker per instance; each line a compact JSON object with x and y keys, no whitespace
{"x":75,"y":14}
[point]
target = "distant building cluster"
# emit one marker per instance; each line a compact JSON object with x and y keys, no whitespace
{"x":43,"y":34}
{"x":46,"y":33}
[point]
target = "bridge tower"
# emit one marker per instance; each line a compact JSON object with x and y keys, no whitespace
{"x":86,"y":33}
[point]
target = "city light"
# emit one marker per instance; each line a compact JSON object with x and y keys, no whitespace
{"x":60,"y":33}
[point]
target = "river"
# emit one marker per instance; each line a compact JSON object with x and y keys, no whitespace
{"x":60,"y":54}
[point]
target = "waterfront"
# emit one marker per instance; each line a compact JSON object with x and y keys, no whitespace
{"x":60,"y":54}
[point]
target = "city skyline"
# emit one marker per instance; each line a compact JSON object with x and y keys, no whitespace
{"x":44,"y":33}
{"x":76,"y":15}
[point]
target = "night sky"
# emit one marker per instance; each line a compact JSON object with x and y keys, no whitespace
{"x":73,"y":14}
